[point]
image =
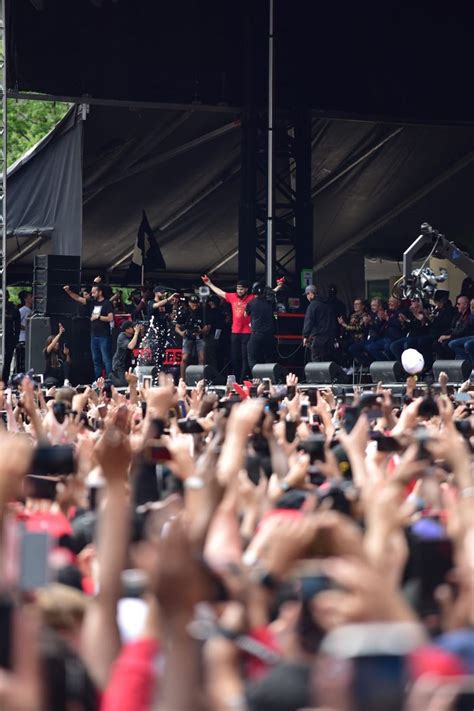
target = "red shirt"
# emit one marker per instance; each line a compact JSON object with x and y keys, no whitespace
{"x":240,"y":320}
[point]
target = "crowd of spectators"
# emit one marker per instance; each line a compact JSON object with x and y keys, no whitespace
{"x":267,"y":548}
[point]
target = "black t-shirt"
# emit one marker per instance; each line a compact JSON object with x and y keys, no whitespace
{"x":54,"y":367}
{"x":215,"y":319}
{"x":123,"y":355}
{"x":100,"y":329}
{"x":261,"y":315}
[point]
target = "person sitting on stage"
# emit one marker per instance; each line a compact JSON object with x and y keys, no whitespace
{"x":461,"y":329}
{"x":193,"y":331}
{"x":392,"y":330}
{"x":122,"y":360}
{"x":355,"y":329}
{"x":57,"y":368}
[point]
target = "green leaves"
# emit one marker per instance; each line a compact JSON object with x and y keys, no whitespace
{"x":28,"y":122}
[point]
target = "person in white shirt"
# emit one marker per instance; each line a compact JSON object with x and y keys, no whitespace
{"x":26,"y":309}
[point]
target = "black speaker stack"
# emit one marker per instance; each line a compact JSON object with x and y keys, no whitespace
{"x":51,"y":305}
{"x":51,"y":273}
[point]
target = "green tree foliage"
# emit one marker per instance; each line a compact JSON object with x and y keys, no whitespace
{"x":28,"y":122}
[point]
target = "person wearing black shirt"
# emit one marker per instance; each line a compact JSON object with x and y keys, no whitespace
{"x":439,"y":324}
{"x":216,"y":321}
{"x":192,"y":330}
{"x":137,"y":308}
{"x":320,"y":327}
{"x":122,"y":359}
{"x":101,"y":316}
{"x":56,"y":369}
{"x":261,"y":345}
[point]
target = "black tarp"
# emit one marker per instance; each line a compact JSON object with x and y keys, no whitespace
{"x":373,"y":184}
{"x":45,"y":190}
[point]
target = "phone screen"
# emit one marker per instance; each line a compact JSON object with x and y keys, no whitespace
{"x":34,"y":560}
{"x":351,"y":415}
{"x":253,"y":468}
{"x":6,"y":615}
{"x":379,"y":682}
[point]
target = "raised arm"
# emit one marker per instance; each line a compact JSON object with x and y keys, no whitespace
{"x":134,"y":340}
{"x":220,"y":292}
{"x":100,"y":634}
{"x":53,"y":343}
{"x":163,"y":302}
{"x":80,"y":299}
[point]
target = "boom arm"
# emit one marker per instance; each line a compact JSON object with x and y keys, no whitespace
{"x":443,"y":250}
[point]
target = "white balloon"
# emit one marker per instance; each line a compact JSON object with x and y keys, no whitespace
{"x":412,"y":361}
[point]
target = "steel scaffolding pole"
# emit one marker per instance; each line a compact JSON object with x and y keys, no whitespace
{"x":3,"y":179}
{"x":270,"y":251}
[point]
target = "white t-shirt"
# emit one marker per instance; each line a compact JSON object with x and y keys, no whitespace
{"x":25,"y":312}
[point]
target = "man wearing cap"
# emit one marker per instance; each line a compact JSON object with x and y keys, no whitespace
{"x":193,"y":331}
{"x":320,"y":326}
{"x":240,"y":323}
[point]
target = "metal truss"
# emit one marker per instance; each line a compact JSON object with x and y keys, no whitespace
{"x":292,"y":206}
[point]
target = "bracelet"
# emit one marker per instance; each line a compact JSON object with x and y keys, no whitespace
{"x":467,"y":492}
{"x":194,"y":483}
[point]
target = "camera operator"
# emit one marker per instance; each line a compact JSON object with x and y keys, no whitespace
{"x":193,"y":331}
{"x":122,"y":360}
{"x":261,"y":345}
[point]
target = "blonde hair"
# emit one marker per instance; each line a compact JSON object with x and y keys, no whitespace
{"x":61,"y":607}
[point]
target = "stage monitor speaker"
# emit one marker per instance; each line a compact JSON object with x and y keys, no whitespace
{"x":38,"y":328}
{"x":325,"y":373}
{"x":457,"y":371}
{"x":387,"y":371}
{"x":274,"y":371}
{"x":195,"y":373}
{"x":142,"y":371}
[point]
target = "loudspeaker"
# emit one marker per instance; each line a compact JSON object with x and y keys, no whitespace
{"x":50,"y":274}
{"x":274,"y":371}
{"x":457,"y":370}
{"x":195,"y":373}
{"x":387,"y":371}
{"x":325,"y":373}
{"x":38,"y":328}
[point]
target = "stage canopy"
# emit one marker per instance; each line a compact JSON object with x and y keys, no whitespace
{"x":393,"y":59}
{"x":373,"y":185}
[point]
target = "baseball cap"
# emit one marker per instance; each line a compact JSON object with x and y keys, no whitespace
{"x":310,"y":289}
{"x":193,"y":299}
